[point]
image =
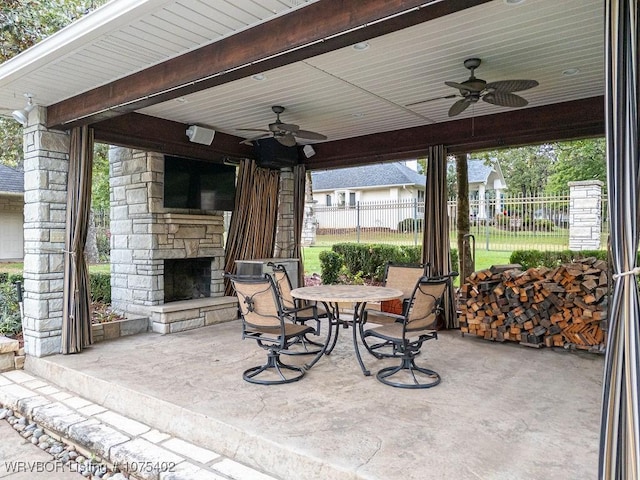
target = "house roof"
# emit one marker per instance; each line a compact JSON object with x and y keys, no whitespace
{"x":11,"y":180}
{"x":378,"y":175}
{"x":478,"y":171}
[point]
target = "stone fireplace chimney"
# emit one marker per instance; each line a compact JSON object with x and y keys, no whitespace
{"x":146,"y":238}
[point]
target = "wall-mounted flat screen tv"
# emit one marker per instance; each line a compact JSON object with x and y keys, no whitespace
{"x":198,"y":185}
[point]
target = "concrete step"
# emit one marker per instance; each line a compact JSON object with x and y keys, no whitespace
{"x":111,"y":439}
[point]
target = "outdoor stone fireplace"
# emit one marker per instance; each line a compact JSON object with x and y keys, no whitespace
{"x":167,"y":264}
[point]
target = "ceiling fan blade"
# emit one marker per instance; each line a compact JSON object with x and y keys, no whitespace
{"x":253,"y":130}
{"x":249,"y":141}
{"x":462,"y":86}
{"x":306,"y":134}
{"x":458,"y":107}
{"x":287,"y":140}
{"x":453,"y":95}
{"x":508,"y":86}
{"x":505,"y":99}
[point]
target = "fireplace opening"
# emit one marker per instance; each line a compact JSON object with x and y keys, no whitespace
{"x":187,"y":279}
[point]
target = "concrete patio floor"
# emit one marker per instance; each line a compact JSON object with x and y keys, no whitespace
{"x":502,"y":411}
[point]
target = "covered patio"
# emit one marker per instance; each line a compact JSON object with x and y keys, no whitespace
{"x":501,"y":411}
{"x":369,"y":76}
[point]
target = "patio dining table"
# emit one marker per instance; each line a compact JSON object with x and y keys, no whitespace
{"x":331,"y":296}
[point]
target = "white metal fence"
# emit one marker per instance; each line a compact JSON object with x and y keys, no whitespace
{"x":507,"y":223}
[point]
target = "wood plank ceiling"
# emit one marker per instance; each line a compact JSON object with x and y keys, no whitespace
{"x":144,"y":76}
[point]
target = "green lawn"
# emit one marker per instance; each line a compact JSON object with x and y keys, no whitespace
{"x":17,"y":268}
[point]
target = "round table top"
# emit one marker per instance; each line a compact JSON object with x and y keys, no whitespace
{"x":346,"y":293}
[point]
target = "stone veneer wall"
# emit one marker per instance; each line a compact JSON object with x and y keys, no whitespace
{"x":285,"y":235}
{"x":46,"y":164}
{"x":144,"y":233}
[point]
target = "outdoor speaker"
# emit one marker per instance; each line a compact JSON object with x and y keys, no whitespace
{"x":308,"y":151}
{"x":200,"y":135}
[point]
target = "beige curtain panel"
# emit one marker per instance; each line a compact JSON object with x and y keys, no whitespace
{"x":620,"y":421}
{"x":299,"y":178}
{"x":435,"y":245}
{"x":76,"y":311}
{"x":253,"y":222}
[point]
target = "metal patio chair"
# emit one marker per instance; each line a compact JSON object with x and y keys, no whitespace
{"x":297,"y":311}
{"x":264,"y":321}
{"x":406,"y":333}
{"x":404,"y":277}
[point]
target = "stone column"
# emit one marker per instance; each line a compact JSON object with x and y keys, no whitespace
{"x":285,"y":236}
{"x":482,"y":202}
{"x":135,"y":191}
{"x":309,"y":224}
{"x":46,"y":165}
{"x":585,"y":215}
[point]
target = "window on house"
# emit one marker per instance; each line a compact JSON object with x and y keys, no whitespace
{"x":327,"y":200}
{"x":421,"y":195}
{"x":341,"y":199}
{"x":352,"y":199}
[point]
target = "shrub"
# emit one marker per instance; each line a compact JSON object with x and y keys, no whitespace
{"x":353,"y":262}
{"x":370,"y":259}
{"x":100,"y":287}
{"x":544,"y":225}
{"x":103,"y":237}
{"x":330,"y":265}
{"x":10,"y":322}
{"x":455,"y":259}
{"x":409,"y":225}
{"x":536,"y":258}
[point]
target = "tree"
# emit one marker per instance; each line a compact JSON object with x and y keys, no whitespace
{"x":578,"y":160}
{"x":23,"y":24}
{"x":525,"y":169}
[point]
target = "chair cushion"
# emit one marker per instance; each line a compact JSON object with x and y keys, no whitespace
{"x":393,"y":331}
{"x":379,"y":318}
{"x":392,"y":306}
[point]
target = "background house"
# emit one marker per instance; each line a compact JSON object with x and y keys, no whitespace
{"x":372,"y":183}
{"x":11,"y":214}
{"x":486,"y":182}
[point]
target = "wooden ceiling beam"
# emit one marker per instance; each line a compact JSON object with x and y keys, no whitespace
{"x":320,"y":27}
{"x":154,"y":134}
{"x":556,"y":122}
{"x":561,"y":121}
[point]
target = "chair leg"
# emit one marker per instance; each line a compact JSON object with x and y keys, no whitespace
{"x":408,"y":364}
{"x":273,"y":362}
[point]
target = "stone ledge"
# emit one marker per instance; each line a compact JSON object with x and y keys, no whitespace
{"x":119,"y":328}
{"x":9,"y":351}
{"x":195,"y":303}
{"x":188,"y":314}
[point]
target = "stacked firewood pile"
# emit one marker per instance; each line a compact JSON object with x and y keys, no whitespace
{"x":561,"y":307}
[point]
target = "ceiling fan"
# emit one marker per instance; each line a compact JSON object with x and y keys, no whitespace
{"x":285,"y":133}
{"x":473,"y":89}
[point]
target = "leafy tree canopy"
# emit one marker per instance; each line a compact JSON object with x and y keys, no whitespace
{"x":578,"y":160}
{"x":24,"y":23}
